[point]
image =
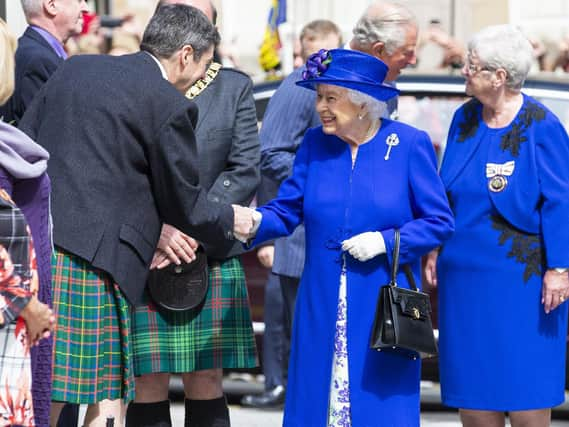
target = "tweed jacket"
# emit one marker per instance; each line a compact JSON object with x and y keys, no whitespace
{"x":123,"y":161}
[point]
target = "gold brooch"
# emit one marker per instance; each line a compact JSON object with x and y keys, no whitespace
{"x":497,"y":174}
{"x":497,"y":183}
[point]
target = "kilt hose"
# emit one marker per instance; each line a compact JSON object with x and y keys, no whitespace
{"x":218,"y":334}
{"x":92,"y":359}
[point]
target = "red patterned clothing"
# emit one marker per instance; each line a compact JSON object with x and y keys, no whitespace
{"x":18,"y":282}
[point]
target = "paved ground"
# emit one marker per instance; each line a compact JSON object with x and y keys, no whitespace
{"x":431,"y":416}
{"x":241,"y":417}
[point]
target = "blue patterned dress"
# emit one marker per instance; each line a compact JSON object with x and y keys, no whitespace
{"x":498,"y":349}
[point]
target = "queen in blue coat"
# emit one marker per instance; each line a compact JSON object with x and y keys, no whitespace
{"x":355,"y":180}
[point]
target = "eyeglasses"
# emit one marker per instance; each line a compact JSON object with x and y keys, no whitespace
{"x":472,"y":69}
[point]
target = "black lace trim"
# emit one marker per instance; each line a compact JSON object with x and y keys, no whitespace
{"x":526,"y":248}
{"x":469,"y":126}
{"x":516,"y":136}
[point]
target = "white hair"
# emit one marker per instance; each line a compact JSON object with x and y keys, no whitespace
{"x":506,"y":47}
{"x":384,"y":22}
{"x":375,"y":108}
{"x":32,"y":8}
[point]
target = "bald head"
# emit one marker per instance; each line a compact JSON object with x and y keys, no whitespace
{"x":206,"y":6}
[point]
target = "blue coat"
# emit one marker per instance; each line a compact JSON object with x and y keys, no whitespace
{"x":336,"y":203}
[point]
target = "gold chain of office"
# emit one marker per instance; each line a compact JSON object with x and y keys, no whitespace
{"x":201,"y":84}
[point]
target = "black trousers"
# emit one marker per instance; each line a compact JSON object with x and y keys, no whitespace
{"x":69,"y":416}
{"x":275,"y":345}
{"x":289,"y":289}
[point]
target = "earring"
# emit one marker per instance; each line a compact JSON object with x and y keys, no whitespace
{"x":360,"y":116}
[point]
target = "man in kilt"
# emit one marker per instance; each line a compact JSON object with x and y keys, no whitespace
{"x":217,"y":334}
{"x":123,"y":161}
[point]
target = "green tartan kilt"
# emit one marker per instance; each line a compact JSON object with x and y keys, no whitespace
{"x":92,"y":357}
{"x":218,"y":334}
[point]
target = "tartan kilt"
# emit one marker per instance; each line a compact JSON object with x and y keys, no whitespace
{"x":218,"y":334}
{"x":92,"y":358}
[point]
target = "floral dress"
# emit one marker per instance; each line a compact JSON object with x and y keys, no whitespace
{"x":339,"y":407}
{"x":18,"y":282}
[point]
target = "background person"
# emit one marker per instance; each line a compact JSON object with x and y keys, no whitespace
{"x":389,"y":32}
{"x":199,"y":343}
{"x":23,"y":179}
{"x":347,"y":239}
{"x":40,"y":49}
{"x":502,"y":277}
{"x":126,"y":116}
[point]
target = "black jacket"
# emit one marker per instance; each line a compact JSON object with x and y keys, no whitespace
{"x":123,"y":161}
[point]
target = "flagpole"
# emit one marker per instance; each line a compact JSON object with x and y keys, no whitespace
{"x":286,"y":31}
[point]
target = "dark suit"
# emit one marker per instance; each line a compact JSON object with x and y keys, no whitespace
{"x":123,"y":161}
{"x":228,"y":144}
{"x":36,"y":61}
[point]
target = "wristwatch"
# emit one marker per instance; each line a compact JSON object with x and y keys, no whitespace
{"x":561,"y":270}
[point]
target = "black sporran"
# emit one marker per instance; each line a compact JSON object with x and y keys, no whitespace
{"x":180,"y":287}
{"x":403,"y":316}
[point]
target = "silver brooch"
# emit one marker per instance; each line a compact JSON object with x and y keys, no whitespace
{"x":391,"y":141}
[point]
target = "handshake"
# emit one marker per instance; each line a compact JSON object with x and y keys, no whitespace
{"x":246,"y":223}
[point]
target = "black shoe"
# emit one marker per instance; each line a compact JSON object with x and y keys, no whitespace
{"x":269,"y":399}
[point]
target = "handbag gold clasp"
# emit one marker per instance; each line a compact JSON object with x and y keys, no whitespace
{"x":416,"y":313}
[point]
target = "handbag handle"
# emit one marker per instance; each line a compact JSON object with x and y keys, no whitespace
{"x":395,"y":265}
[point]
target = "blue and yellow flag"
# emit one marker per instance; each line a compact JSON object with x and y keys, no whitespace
{"x":269,"y":51}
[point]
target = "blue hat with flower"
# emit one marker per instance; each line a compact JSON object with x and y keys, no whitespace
{"x":347,"y":68}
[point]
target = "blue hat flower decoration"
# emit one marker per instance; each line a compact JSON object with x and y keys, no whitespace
{"x":350,"y":69}
{"x":316,"y":64}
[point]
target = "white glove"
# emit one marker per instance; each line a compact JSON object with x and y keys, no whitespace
{"x":365,"y":246}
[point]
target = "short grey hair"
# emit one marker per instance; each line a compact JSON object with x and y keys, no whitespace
{"x":174,"y":26}
{"x":389,"y":26}
{"x":32,"y":8}
{"x":375,"y":107}
{"x":506,"y":47}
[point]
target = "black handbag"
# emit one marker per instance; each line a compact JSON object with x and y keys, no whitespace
{"x":403,"y":316}
{"x":180,"y":287}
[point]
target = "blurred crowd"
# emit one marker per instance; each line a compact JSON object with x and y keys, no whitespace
{"x":436,"y":48}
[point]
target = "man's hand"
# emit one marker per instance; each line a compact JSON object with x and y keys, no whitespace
{"x":173,"y":246}
{"x":555,"y":289}
{"x":266,"y":255}
{"x":39,"y":319}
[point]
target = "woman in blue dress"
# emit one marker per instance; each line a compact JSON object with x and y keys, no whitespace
{"x":502,"y":277}
{"x":355,"y":180}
